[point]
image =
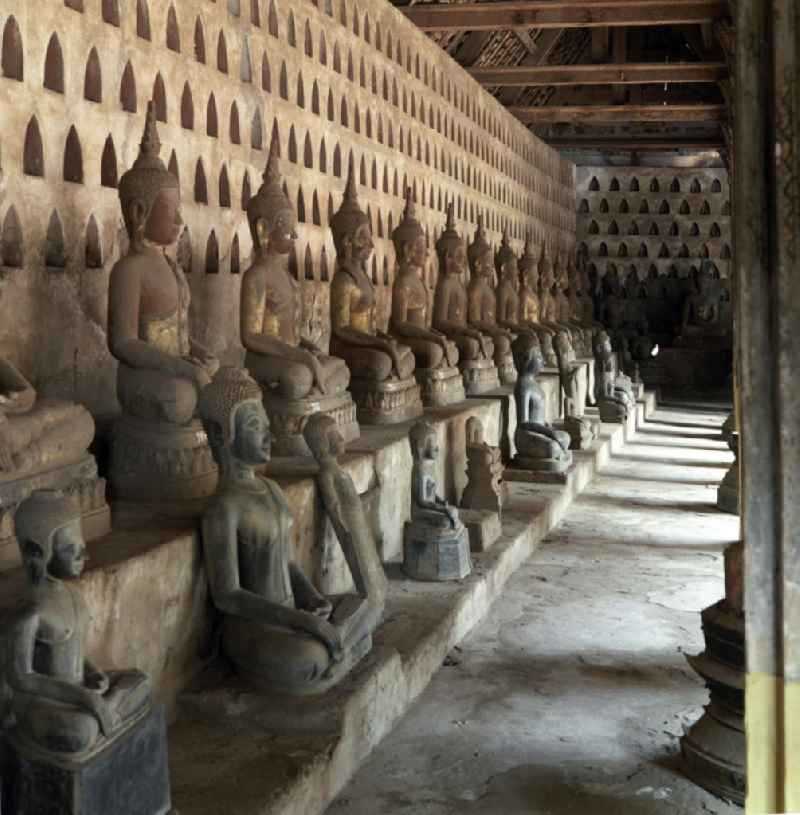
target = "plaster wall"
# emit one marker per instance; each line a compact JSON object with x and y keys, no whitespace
{"x":331,"y":80}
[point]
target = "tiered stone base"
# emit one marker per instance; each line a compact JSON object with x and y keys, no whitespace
{"x":440,"y":387}
{"x":728,"y":491}
{"x":436,"y":554}
{"x":287,"y":417}
{"x":160,"y":462}
{"x":79,"y":481}
{"x":480,"y":376}
{"x":125,"y":776}
{"x":389,"y":402}
{"x":714,"y":748}
{"x":507,"y":370}
{"x":582,"y":432}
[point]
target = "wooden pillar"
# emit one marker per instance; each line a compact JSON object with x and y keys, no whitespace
{"x":767,"y":262}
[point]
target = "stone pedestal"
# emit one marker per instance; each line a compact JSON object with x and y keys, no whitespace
{"x":79,"y":481}
{"x":440,"y":387}
{"x":436,"y":554}
{"x":714,"y":748}
{"x":125,"y":776}
{"x":506,"y":369}
{"x":286,"y":418}
{"x":612,"y":412}
{"x":160,"y":462}
{"x":582,"y":432}
{"x":520,"y":471}
{"x":479,"y":375}
{"x":483,"y":527}
{"x":728,"y":491}
{"x":389,"y":402}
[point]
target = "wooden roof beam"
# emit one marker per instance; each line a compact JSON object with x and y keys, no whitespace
{"x":634,"y":143}
{"x":596,"y":114}
{"x":526,"y":14}
{"x":628,"y":73}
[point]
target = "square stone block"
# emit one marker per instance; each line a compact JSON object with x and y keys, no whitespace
{"x":436,"y":555}
{"x":127,"y":776}
{"x":483,"y":527}
{"x":517,"y":473}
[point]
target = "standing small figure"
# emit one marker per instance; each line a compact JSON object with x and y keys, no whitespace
{"x":485,"y":487}
{"x":436,"y":545}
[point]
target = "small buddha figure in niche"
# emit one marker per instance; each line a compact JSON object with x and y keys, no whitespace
{"x":289,"y":367}
{"x":161,"y":368}
{"x":509,"y":307}
{"x":700,"y":324}
{"x":450,"y":311}
{"x":279,"y":630}
{"x":434,"y":353}
{"x":539,"y":446}
{"x":436,"y":542}
{"x":530,"y":305}
{"x":382,"y":369}
{"x":61,"y":702}
{"x":482,"y":303}
{"x":37,"y":433}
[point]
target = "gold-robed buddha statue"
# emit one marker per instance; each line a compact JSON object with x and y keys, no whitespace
{"x":296,"y":377}
{"x":382,"y":370}
{"x":530,"y":304}
{"x":159,"y":450}
{"x":436,"y":356}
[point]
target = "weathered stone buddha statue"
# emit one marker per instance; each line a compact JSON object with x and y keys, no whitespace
{"x":297,"y":378}
{"x":485,"y":488}
{"x":540,"y":447}
{"x":435,"y":542}
{"x":43,"y":444}
{"x":278,"y":630}
{"x":564,"y":314}
{"x":530,"y":305}
{"x":450,"y":311}
{"x":573,"y":389}
{"x":382,"y":370}
{"x":509,"y":306}
{"x":67,"y":711}
{"x":482,"y":304}
{"x":701,"y":326}
{"x":436,"y":356}
{"x":573,"y":293}
{"x":548,"y":304}
{"x":159,"y":451}
{"x":613,"y":400}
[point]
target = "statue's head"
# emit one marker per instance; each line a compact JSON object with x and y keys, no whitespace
{"x":352,"y":234}
{"x":563,"y":347}
{"x":450,"y":247}
{"x":505,"y":260}
{"x":409,"y":236}
{"x":323,"y":437}
{"x":528,"y":358}
{"x":233,"y":417}
{"x":474,"y":431}
{"x":529,"y":265}
{"x":602,"y":343}
{"x":273,"y":223}
{"x":48,"y":528}
{"x":149,"y":194}
{"x":703,"y":277}
{"x":424,"y":441}
{"x":479,"y":253}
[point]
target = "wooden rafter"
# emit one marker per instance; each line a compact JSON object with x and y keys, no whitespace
{"x":628,"y":73}
{"x":593,"y":114}
{"x":636,"y":143}
{"x":528,"y":14}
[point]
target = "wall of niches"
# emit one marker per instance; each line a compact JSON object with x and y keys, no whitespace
{"x":333,"y":81}
{"x":644,"y":218}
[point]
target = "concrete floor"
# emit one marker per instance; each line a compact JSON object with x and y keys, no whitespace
{"x":570,"y":697}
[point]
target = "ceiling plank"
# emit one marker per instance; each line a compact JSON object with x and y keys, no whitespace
{"x":634,"y":143}
{"x":592,"y":114}
{"x":528,"y":14}
{"x":629,"y":73}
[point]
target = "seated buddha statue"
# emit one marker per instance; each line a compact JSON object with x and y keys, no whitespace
{"x":37,"y":433}
{"x":278,"y":630}
{"x":475,"y":348}
{"x":701,"y":325}
{"x":548,"y":305}
{"x":382,"y":369}
{"x":612,"y":396}
{"x":485,"y":488}
{"x":539,"y":446}
{"x":297,"y":378}
{"x":574,"y":391}
{"x":436,"y":542}
{"x":482,"y":303}
{"x":509,"y":307}
{"x":62,"y":703}
{"x":435,"y":355}
{"x":563,"y":307}
{"x":530,"y":305}
{"x":161,"y":367}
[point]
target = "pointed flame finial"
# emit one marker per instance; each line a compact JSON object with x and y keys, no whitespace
{"x":150,"y":145}
{"x":272,"y":170}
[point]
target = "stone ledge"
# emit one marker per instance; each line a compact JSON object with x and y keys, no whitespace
{"x":236,"y":749}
